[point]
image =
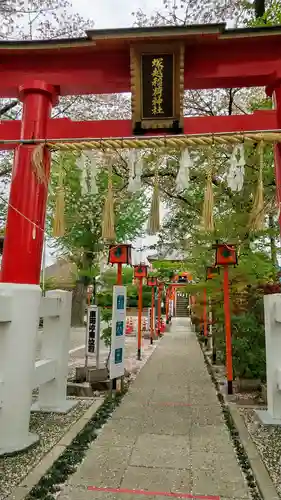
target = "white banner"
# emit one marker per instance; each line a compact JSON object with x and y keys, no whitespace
{"x":171,"y":308}
{"x":149,"y":318}
{"x":116,"y":367}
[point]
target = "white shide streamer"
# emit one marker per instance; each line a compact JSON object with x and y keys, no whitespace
{"x":135,"y":171}
{"x":236,"y":172}
{"x":183,"y":179}
{"x":81,"y":164}
{"x":131,"y":166}
{"x":138,"y":172}
{"x":92,"y":170}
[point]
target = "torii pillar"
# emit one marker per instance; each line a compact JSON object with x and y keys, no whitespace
{"x":24,"y":235}
{"x":274,"y":91}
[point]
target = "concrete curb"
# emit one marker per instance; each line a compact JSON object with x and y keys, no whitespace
{"x":264,"y":482}
{"x":47,"y":461}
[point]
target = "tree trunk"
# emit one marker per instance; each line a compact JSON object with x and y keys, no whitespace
{"x":259,"y":8}
{"x":79,"y":297}
{"x":272,"y":242}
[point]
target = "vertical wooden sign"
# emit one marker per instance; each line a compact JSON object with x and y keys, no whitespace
{"x":157,"y":85}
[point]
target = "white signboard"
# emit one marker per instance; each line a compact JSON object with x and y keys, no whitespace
{"x":93,"y":333}
{"x":149,"y":313}
{"x":149,"y":318}
{"x":171,"y":308}
{"x":116,"y":367}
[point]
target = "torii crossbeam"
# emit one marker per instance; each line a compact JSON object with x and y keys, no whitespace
{"x":107,"y":61}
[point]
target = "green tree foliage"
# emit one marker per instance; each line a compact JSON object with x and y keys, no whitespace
{"x":165,"y":270}
{"x":83,"y":212}
{"x":109,"y":278}
{"x":82,"y":242}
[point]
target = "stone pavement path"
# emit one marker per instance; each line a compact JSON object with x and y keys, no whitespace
{"x":168,"y":434}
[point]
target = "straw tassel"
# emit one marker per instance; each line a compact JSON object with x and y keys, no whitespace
{"x":108,"y":230}
{"x":154,"y":217}
{"x":38,"y":161}
{"x":208,"y":206}
{"x":256,"y":220}
{"x":58,"y":221}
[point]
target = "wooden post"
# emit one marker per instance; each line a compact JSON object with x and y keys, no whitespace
{"x":24,"y":236}
{"x":119,"y":274}
{"x":210,"y":342}
{"x":152,"y":322}
{"x":167,"y":305}
{"x":227,"y":331}
{"x":139,"y":319}
{"x":205,"y":318}
{"x":159,"y":311}
{"x":115,"y":384}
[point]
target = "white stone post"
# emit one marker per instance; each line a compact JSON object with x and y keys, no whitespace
{"x":55,"y":347}
{"x":19,"y":306}
{"x":272,"y":311}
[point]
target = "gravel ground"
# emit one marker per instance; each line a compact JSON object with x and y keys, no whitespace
{"x":50,"y":427}
{"x":268,"y":442}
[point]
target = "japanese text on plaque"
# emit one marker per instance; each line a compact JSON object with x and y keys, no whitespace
{"x":157,"y":85}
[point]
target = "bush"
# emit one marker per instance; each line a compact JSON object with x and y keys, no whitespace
{"x":248,"y":346}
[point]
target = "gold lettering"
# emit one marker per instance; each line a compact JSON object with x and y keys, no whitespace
{"x":157,"y":85}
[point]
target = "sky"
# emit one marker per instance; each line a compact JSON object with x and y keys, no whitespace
{"x":114,"y":13}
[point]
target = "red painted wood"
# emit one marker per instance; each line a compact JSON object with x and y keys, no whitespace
{"x":205,"y":318}
{"x":63,"y":128}
{"x":210,"y":62}
{"x":23,"y":244}
{"x":139,"y":317}
{"x":154,"y":493}
{"x":119,"y":273}
{"x":152,"y":315}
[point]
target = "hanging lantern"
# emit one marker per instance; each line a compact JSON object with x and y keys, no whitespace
{"x":161,"y":286}
{"x":120,"y":254}
{"x":212,"y":272}
{"x":140,"y":271}
{"x":225,"y":255}
{"x":151,"y":281}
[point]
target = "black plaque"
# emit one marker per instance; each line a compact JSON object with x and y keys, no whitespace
{"x":92,"y":331}
{"x":157,"y":86}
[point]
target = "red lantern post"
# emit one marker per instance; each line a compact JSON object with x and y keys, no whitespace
{"x":120,"y":254}
{"x":160,"y":290}
{"x":205,"y":319}
{"x":152,"y":282}
{"x":226,"y":256}
{"x":168,"y":297}
{"x":211,"y":272}
{"x":140,"y":272}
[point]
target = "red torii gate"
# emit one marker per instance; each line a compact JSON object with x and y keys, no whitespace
{"x":38,"y":72}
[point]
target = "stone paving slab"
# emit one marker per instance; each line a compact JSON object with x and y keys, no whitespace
{"x":167,"y":436}
{"x":162,"y":450}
